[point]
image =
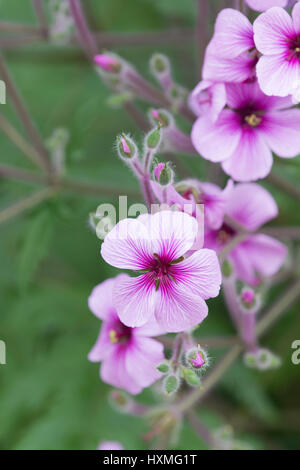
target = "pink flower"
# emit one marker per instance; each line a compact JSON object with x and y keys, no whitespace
{"x":171,"y":285}
{"x":208,"y":99}
{"x":263,"y":5}
{"x":246,"y":133}
{"x":277,"y":37}
{"x":231,"y":55}
{"x":129,"y":356}
{"x":195,"y":192}
{"x":259,"y":255}
{"x":110,"y":445}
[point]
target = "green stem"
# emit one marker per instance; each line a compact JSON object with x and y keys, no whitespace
{"x":24,"y":114}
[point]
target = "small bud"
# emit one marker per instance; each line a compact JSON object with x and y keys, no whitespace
{"x":262,"y":359}
{"x":126,"y":147}
{"x":163,"y":174}
{"x":153,"y":138}
{"x":108,"y":63}
{"x":120,"y":400}
{"x":227,"y":269}
{"x":250,"y":360}
{"x":159,"y":63}
{"x":177,"y":94}
{"x":250,"y":300}
{"x":197,"y":358}
{"x":164,"y":367}
{"x":161,"y":117}
{"x":191,"y":377}
{"x":171,"y":384}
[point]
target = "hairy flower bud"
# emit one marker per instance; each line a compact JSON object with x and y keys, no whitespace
{"x":120,"y":401}
{"x":162,"y":118}
{"x":126,"y":147}
{"x":262,"y":359}
{"x":227,"y":268}
{"x":197,"y":358}
{"x":108,"y":62}
{"x":164,"y":367}
{"x":153,"y":138}
{"x":171,"y":384}
{"x":163,"y":174}
{"x":191,"y":377}
{"x":159,"y":63}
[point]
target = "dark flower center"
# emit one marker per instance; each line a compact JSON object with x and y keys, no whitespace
{"x":251,"y":116}
{"x":294,"y":49}
{"x":120,"y":333}
{"x":225,"y":234}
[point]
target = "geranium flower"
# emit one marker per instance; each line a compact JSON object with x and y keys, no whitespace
{"x":277,"y":37}
{"x":259,"y":255}
{"x":129,"y":356}
{"x":231,"y":55}
{"x":170,"y":285}
{"x":245,"y":134}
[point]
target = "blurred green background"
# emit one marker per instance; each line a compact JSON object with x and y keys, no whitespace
{"x":51,"y":397}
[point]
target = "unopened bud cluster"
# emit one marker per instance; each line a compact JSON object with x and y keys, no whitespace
{"x":262,"y":359}
{"x":190,"y":367}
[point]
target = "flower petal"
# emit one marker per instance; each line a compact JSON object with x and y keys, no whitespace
{"x":233,"y":33}
{"x":272,"y":30}
{"x":100,"y":301}
{"x":172,"y":234}
{"x":127,"y":246}
{"x":134,"y":300}
{"x":296,"y":17}
{"x":216,"y":141}
{"x":266,"y":254}
{"x":263,"y":5}
{"x":103,"y":346}
{"x":178,"y":309}
{"x":277,"y":76}
{"x":141,"y":360}
{"x":259,"y":256}
{"x":251,"y":160}
{"x":282,"y":132}
{"x":251,"y":205}
{"x":221,"y":69}
{"x":114,"y":372}
{"x":201,"y":273}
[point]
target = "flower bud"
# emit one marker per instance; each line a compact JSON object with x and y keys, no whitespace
{"x":108,"y":63}
{"x":227,"y":268}
{"x":262,"y":359}
{"x":159,"y":64}
{"x":164,"y":367}
{"x":250,"y":300}
{"x":171,"y":384}
{"x":164,"y":174}
{"x":161,"y":117}
{"x":121,"y":401}
{"x":153,"y":138}
{"x":126,"y":147}
{"x":191,"y":377}
{"x":177,"y":94}
{"x":197,"y":358}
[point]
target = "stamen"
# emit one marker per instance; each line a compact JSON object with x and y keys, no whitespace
{"x":253,"y":120}
{"x":113,"y":337}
